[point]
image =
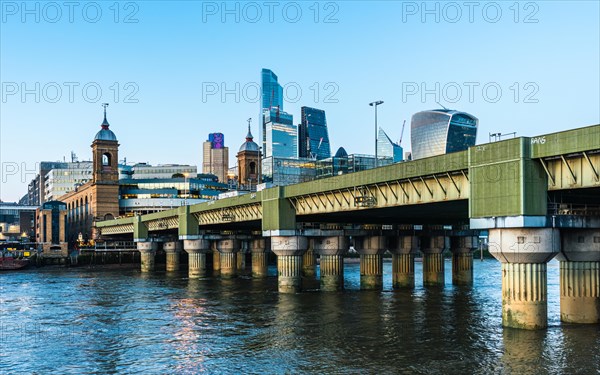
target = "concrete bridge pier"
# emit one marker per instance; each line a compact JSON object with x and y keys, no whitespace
{"x":433,"y":248}
{"x":216,"y":262}
{"x":289,"y":251}
{"x":403,"y":261}
{"x":462,"y":248}
{"x":196,"y":250}
{"x":309,"y":261}
{"x":580,"y":276}
{"x":331,"y":250}
{"x":371,"y":262}
{"x":147,"y":251}
{"x":241,"y":258}
{"x":228,"y":249}
{"x":173,"y":252}
{"x":259,"y":248}
{"x":524,"y":253}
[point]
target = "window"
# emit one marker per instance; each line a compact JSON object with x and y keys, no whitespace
{"x":106,"y":159}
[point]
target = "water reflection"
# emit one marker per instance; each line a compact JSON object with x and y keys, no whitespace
{"x":122,"y":321}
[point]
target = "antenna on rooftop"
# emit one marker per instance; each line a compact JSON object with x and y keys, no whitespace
{"x":441,"y":106}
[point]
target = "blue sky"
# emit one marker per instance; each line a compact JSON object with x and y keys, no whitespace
{"x":529,"y":67}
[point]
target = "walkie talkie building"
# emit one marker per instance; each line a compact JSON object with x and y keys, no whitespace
{"x":441,"y":131}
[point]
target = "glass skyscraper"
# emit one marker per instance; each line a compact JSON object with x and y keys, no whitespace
{"x":282,"y":140}
{"x":272,"y":92}
{"x":271,"y":104}
{"x":313,"y":139}
{"x":441,"y":131}
{"x":386,"y":148}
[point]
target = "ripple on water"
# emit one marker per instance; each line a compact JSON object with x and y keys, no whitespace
{"x":119,"y":321}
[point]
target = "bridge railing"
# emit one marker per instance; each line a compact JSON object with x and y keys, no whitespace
{"x":573,"y":209}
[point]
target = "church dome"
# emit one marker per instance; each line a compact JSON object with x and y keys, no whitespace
{"x":105,"y":134}
{"x":249,"y":145}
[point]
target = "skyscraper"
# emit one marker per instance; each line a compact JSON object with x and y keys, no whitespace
{"x":313,"y":138}
{"x":441,"y":131}
{"x":281,"y":139}
{"x":271,"y":111}
{"x":215,"y":156}
{"x":272,"y":92}
{"x":386,"y":148}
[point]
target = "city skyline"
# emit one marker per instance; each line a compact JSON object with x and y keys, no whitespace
{"x":396,"y":61}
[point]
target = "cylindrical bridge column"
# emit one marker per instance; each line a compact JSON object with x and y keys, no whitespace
{"x":172,"y":250}
{"x":259,"y":248}
{"x":196,"y":250}
{"x":403,"y":261}
{"x":289,"y":252}
{"x":309,"y":262}
{"x":524,"y":253}
{"x":580,"y":276}
{"x":241,"y":258}
{"x":331,"y":251}
{"x":433,"y":248}
{"x":216,"y":262}
{"x":462,"y":259}
{"x":228,"y":257}
{"x":371,"y":262}
{"x":147,"y":252}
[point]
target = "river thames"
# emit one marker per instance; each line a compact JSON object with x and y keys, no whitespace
{"x":119,"y":321}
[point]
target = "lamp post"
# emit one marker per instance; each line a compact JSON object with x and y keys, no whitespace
{"x":375,"y":104}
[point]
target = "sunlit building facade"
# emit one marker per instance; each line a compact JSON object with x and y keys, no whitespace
{"x":280,"y":171}
{"x":441,"y":131}
{"x":282,"y":140}
{"x":142,"y":196}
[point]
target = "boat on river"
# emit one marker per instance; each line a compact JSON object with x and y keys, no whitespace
{"x":10,"y":263}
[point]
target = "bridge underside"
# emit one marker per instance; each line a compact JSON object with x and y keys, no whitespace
{"x":450,"y":212}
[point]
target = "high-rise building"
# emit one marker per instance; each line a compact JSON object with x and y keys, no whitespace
{"x":272,"y":92}
{"x":66,"y":178}
{"x":441,"y":131}
{"x":215,"y":156}
{"x":386,"y":148}
{"x":313,"y":138}
{"x":271,"y":104}
{"x":282,"y":140}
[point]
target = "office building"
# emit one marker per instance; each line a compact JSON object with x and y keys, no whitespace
{"x":313,"y":138}
{"x":215,"y":156}
{"x":65,"y":178}
{"x":271,"y":105}
{"x":17,"y":222}
{"x":272,"y":91}
{"x":386,"y":148}
{"x":143,"y":196}
{"x":342,"y":163}
{"x":281,"y":171}
{"x":144,"y":171}
{"x":281,"y":140}
{"x":441,"y":131}
{"x":52,"y":229}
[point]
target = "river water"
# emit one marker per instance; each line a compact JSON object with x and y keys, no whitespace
{"x":119,"y":321}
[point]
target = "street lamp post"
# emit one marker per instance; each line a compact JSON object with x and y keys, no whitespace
{"x":375,"y":104}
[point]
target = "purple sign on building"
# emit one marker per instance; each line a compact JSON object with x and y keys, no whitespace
{"x":217,"y":140}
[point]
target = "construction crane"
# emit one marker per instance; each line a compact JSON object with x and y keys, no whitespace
{"x":402,"y":133}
